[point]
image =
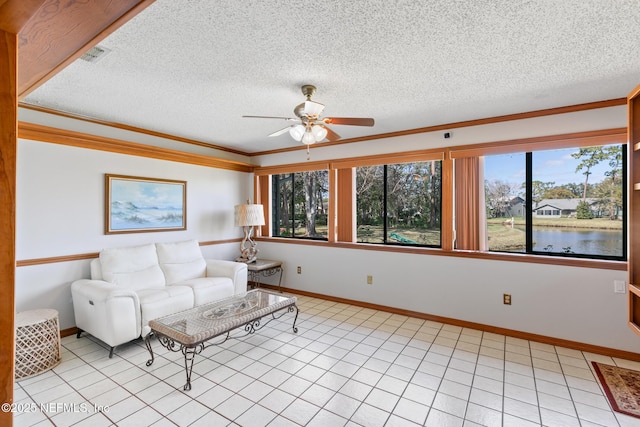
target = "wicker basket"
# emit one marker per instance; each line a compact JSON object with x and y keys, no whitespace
{"x":37,"y":342}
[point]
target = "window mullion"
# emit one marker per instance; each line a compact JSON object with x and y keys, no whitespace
{"x":384,"y":204}
{"x":528,"y":203}
{"x":275,"y":202}
{"x":293,"y":204}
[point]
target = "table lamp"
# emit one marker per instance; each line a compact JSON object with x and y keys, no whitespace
{"x":248,"y":216}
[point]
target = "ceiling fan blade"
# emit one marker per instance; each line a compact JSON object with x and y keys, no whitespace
{"x":293,"y":119}
{"x":281,"y":131}
{"x":354,"y":121}
{"x":331,"y":135}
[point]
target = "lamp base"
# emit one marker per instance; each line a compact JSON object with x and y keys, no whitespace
{"x":246,"y":260}
{"x":248,"y":254}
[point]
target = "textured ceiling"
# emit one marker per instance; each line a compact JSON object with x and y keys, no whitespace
{"x":193,"y":69}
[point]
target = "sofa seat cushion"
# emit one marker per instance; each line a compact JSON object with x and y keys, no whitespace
{"x":181,"y":261}
{"x":209,"y":289}
{"x":134,"y":267}
{"x":155,"y":303}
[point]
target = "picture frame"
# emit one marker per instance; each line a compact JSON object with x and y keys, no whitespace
{"x":136,"y":204}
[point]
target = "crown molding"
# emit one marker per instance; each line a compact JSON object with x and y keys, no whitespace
{"x":83,"y":140}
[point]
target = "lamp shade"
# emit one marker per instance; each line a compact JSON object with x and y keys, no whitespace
{"x":249,"y":215}
{"x":307,"y":138}
{"x":296,"y":132}
{"x":319,"y":132}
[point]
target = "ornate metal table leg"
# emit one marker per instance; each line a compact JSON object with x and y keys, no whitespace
{"x":253,"y":279}
{"x":291,"y":308}
{"x":189,"y":355}
{"x":147,"y":342}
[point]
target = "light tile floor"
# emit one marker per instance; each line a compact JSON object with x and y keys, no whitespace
{"x":346,"y":366}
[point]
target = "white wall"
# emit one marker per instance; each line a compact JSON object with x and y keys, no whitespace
{"x":60,"y":211}
{"x":576,"y":304}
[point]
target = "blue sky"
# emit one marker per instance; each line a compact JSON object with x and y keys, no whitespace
{"x":147,"y":194}
{"x":548,"y":166}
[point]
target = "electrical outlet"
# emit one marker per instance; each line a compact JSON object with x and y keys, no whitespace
{"x":619,"y":287}
{"x":369,"y":280}
{"x":506,"y":299}
{"x":299,"y":270}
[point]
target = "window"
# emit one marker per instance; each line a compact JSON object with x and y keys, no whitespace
{"x":574,"y":198}
{"x":557,"y":196}
{"x":300,"y":204}
{"x":399,"y":203}
{"x":504,"y":202}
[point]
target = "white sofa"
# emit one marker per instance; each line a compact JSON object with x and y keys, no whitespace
{"x":131,"y":285}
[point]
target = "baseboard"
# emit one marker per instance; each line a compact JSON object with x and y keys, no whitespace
{"x":67,"y":332}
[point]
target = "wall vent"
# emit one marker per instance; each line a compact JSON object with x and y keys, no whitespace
{"x":95,"y":54}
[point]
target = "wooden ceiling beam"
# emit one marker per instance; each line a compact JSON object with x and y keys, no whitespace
{"x":61,"y":31}
{"x":14,"y":14}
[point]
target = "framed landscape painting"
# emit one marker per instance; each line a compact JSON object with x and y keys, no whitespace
{"x":135,"y":205}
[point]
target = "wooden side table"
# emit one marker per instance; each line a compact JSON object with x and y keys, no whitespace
{"x":264,"y":268}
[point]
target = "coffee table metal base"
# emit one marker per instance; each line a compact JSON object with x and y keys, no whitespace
{"x":190,"y":351}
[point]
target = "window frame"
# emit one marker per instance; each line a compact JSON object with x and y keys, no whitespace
{"x":529,"y":211}
{"x":273,"y":218}
{"x":590,"y":139}
{"x":386,"y":207}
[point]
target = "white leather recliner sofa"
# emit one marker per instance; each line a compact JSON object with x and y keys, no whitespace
{"x":130,"y":286}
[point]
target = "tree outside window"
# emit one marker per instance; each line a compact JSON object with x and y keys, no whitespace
{"x":300,"y":203}
{"x":399,"y":203}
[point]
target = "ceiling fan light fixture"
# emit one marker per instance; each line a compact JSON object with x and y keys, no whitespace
{"x":297,"y":132}
{"x":312,"y":127}
{"x":319,"y":132}
{"x":308,"y":138}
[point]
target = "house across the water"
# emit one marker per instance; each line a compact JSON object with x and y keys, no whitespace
{"x":556,"y":208}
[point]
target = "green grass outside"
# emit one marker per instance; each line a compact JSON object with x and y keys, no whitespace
{"x":375,"y":234}
{"x":598,"y":223}
{"x":503,"y":238}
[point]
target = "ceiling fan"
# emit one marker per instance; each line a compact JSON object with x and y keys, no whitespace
{"x":310,"y":127}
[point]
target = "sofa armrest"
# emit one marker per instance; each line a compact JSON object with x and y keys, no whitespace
{"x":108,"y":312}
{"x":99,"y":290}
{"x":236,"y":271}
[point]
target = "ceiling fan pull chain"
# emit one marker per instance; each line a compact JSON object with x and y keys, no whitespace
{"x":308,"y":155}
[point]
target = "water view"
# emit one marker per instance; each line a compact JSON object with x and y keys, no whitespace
{"x":578,"y":241}
{"x":575,"y":197}
{"x":583,"y":241}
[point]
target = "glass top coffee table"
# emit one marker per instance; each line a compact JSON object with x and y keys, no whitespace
{"x":189,"y":331}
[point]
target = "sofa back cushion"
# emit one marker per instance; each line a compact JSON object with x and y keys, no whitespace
{"x":134,"y":267}
{"x":96,"y":269}
{"x":181,"y":261}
